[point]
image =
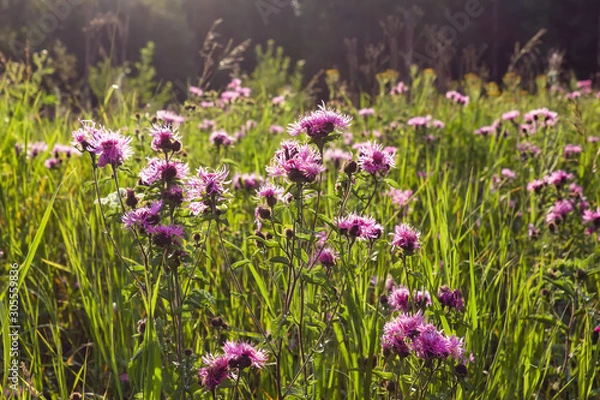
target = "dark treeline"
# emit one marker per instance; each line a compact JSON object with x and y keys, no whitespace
{"x":354,"y":36}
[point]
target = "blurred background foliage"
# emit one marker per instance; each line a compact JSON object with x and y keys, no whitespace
{"x":161,"y":40}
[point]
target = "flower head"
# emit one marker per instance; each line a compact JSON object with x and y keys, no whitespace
{"x":242,"y":355}
{"x":166,"y":235}
{"x":406,"y":238}
{"x":216,"y":370}
{"x":143,"y":218}
{"x":571,"y":150}
{"x":419,"y":122}
{"x":320,"y":123}
{"x":400,"y":197}
{"x":450,"y":298}
{"x":374,"y":159}
{"x":221,"y":138}
{"x":365,"y":112}
{"x":299,"y":163}
{"x":110,"y":147}
{"x":169,"y":117}
{"x":165,"y":139}
{"x":163,"y":170}
{"x":356,"y":226}
{"x":207,"y":186}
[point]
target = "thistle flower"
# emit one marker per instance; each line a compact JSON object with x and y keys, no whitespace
{"x":246,"y":181}
{"x":398,"y":89}
{"x":242,"y":355}
{"x":430,"y":343}
{"x":508,"y":173}
{"x":399,"y":298}
{"x":207,"y":187}
{"x":437,"y":124}
{"x":536,"y":185}
{"x":528,"y":150}
{"x":450,"y":298}
{"x":365,"y":112}
{"x":170,"y":117}
{"x":52,"y":163}
{"x":421,"y":298}
{"x":320,"y":123}
{"x":165,"y":139}
{"x":299,"y":163}
{"x":559,"y":211}
{"x":196,"y":91}
{"x":571,"y":150}
{"x":398,"y":332}
{"x":337,"y":156}
{"x":593,"y":139}
{"x":328,"y":257}
{"x":511,"y":115}
{"x":558,"y":178}
{"x":457,"y":98}
{"x":216,"y":370}
{"x":374,"y":159}
{"x":271,"y":193}
{"x":166,"y":235}
{"x":110,"y":147}
{"x":276,"y":129}
{"x":167,"y":171}
{"x":406,"y":238}
{"x":400,"y":197}
{"x":207,"y":124}
{"x":278,"y":100}
{"x":359,"y":227}
{"x":143,"y":218}
{"x":60,"y":149}
{"x":419,"y":122}
{"x":221,"y":138}
{"x":592,"y":217}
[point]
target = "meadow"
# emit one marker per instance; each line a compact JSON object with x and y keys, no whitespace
{"x":414,"y":244}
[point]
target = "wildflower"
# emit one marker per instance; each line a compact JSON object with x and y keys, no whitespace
{"x":450,"y":298}
{"x":593,"y":139}
{"x":207,"y":104}
{"x":52,"y":163}
{"x":374,"y":159}
{"x":196,"y":91}
{"x":207,"y":124}
{"x":430,"y":343}
{"x":400,"y":197}
{"x":558,"y":178}
{"x":536,"y":185}
{"x":59,"y":149}
{"x":337,"y":156}
{"x":419,"y":122}
{"x":511,"y":115}
{"x":165,"y":139}
{"x":437,"y":124}
{"x":422,"y":298}
{"x":592,"y":217}
{"x":271,"y":193}
{"x":215,"y":372}
{"x":399,"y":331}
{"x":574,"y":95}
{"x":299,"y":163}
{"x":328,"y":257}
{"x":242,"y":355}
{"x":167,"y":171}
{"x":528,"y":150}
{"x":406,"y":238}
{"x":532,"y":232}
{"x":585,"y":86}
{"x":207,"y":187}
{"x":399,"y":298}
{"x":487,"y":130}
{"x":365,"y":112}
{"x":457,"y":98}
{"x":399,"y":89}
{"x":221,"y":138}
{"x":278,"y":100}
{"x":356,"y":226}
{"x":508,"y":174}
{"x":319,"y":124}
{"x":246,"y":181}
{"x":166,"y":235}
{"x":276,"y":129}
{"x":559,"y":211}
{"x":143,"y":218}
{"x":170,"y":117}
{"x":111,"y":147}
{"x":571,"y":150}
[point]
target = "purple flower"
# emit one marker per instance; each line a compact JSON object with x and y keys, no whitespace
{"x":299,"y":163}
{"x":399,"y":89}
{"x":166,"y":235}
{"x":399,"y":298}
{"x":592,"y":217}
{"x":356,"y":226}
{"x":511,"y":115}
{"x":430,"y":343}
{"x":207,"y":124}
{"x":319,"y":124}
{"x":419,"y":122}
{"x":528,"y":150}
{"x":163,"y":170}
{"x":276,"y":129}
{"x":536,"y":185}
{"x":337,"y":156}
{"x":246,"y":181}
{"x":457,"y":98}
{"x":68,"y":151}
{"x":207,"y":186}
{"x":571,"y":150}
{"x":271,"y":193}
{"x":438,"y":124}
{"x":573,"y":95}
{"x":558,"y":178}
{"x":487,"y":130}
{"x":422,"y":298}
{"x":221,"y":138}
{"x":593,"y":139}
{"x":400,"y":197}
{"x":508,"y":174}
{"x":170,"y":117}
{"x":541,"y":117}
{"x":399,"y":331}
{"x":143,"y":218}
{"x":406,"y":238}
{"x":52,"y":163}
{"x":328,"y":257}
{"x":278,"y":100}
{"x":110,"y":147}
{"x":559,"y":211}
{"x":450,"y":298}
{"x":196,"y":91}
{"x":374,"y":159}
{"x":365,"y":112}
{"x":215,"y":372}
{"x":165,"y":139}
{"x":242,"y":355}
